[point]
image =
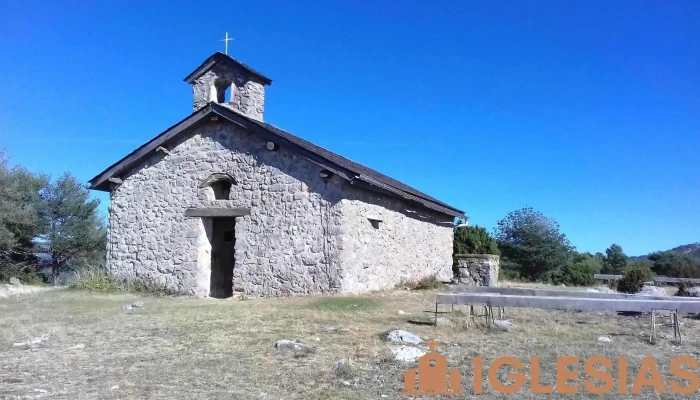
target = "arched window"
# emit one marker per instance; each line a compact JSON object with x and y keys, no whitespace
{"x":221,"y":185}
{"x":222,"y":189}
{"x":224,"y":90}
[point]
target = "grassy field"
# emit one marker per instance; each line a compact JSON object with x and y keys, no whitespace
{"x":183,"y":348}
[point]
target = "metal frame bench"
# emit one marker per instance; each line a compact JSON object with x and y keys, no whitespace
{"x":569,"y":300}
{"x":656,"y":279}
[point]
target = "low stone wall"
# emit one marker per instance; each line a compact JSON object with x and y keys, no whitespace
{"x":477,"y":269}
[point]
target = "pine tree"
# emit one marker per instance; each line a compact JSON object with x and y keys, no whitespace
{"x":73,"y":229}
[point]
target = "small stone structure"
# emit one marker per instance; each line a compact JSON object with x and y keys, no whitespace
{"x":223,"y":203}
{"x":477,"y":269}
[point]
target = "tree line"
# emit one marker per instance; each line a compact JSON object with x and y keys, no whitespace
{"x":46,"y":223}
{"x":533,"y":248}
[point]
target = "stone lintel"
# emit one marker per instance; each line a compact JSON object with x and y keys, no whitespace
{"x":217,"y":212}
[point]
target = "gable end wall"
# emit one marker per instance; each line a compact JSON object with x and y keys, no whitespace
{"x":287,"y":245}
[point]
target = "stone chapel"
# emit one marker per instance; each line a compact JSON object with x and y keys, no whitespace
{"x":224,"y":203}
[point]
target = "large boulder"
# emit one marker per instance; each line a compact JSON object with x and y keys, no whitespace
{"x":398,"y":335}
{"x":503,"y":324}
{"x":694,"y":291}
{"x":15,"y":282}
{"x":406,"y":353}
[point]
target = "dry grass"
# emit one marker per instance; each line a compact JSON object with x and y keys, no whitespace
{"x":7,"y":290}
{"x":182,"y":348}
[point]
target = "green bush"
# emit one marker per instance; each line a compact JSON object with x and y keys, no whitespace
{"x":25,"y":272}
{"x":633,"y":279}
{"x":474,"y":240}
{"x":95,"y":280}
{"x":578,"y":274}
{"x":508,"y":274}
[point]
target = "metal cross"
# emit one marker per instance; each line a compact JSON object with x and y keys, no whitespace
{"x":226,"y":40}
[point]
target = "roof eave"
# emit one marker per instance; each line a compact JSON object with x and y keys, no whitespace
{"x":212,"y":60}
{"x":101,"y":180}
{"x":372,"y":184}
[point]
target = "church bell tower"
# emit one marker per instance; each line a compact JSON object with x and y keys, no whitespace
{"x":227,"y":81}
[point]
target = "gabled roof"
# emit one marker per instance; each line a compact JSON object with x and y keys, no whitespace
{"x":356,"y":173}
{"x":221,"y":58}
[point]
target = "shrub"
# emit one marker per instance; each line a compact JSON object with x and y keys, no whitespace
{"x":95,"y":280}
{"x":428,"y":283}
{"x":578,"y":274}
{"x":683,"y":289}
{"x":25,"y":272}
{"x":508,"y":274}
{"x":474,"y":240}
{"x":634,"y":279}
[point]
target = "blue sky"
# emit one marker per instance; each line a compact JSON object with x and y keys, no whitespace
{"x":588,"y":111}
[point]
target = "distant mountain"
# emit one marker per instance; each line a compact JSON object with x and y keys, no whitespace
{"x":690,"y":250}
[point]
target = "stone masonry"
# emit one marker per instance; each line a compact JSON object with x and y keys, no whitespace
{"x":246,"y":94}
{"x":303,"y":235}
{"x":478,"y":269}
{"x":308,"y":230}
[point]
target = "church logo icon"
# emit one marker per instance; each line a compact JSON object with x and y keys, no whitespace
{"x":432,"y":377}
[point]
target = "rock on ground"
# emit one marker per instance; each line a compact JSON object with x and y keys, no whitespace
{"x":341,"y":367}
{"x":503,"y":324}
{"x":137,"y":304}
{"x":651,"y":291}
{"x":29,"y":342}
{"x":406,"y":353}
{"x":694,"y":291}
{"x":398,"y":335}
{"x":334,"y":328}
{"x":291,"y":347}
{"x":604,"y":339}
{"x":126,"y":307}
{"x":15,"y":282}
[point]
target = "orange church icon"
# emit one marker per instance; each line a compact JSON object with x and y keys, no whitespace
{"x":432,"y":375}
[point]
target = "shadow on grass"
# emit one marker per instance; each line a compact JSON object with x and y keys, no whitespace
{"x":421,"y":322}
{"x":344,"y":304}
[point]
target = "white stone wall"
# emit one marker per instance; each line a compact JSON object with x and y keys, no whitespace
{"x":286,"y":246}
{"x":303,"y":235}
{"x":406,"y":245}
